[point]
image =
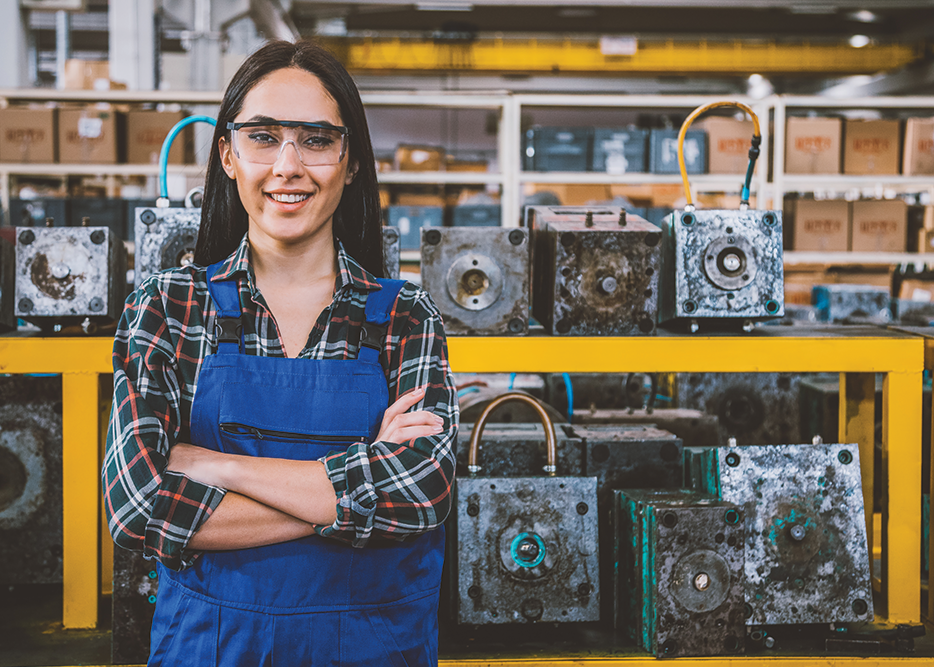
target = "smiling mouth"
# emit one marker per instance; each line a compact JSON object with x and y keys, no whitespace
{"x":288,"y":199}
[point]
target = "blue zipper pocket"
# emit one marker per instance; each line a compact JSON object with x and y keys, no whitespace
{"x":264,"y":434}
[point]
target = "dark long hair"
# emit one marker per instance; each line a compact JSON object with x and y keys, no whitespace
{"x":357,"y":222}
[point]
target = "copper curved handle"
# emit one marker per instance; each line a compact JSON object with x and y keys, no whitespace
{"x":551,"y":439}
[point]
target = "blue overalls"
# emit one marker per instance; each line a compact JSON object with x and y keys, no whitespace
{"x":311,"y":601}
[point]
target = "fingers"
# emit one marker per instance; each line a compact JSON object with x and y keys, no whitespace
{"x":403,"y":403}
{"x":398,"y":436}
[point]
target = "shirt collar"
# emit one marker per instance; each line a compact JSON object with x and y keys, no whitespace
{"x":350,"y":273}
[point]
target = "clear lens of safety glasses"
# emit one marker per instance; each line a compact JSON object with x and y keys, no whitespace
{"x":263,"y":142}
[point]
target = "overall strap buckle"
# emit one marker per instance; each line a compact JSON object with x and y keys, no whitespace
{"x":372,"y":336}
{"x":228,"y":330}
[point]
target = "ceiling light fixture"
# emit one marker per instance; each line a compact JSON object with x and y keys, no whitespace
{"x":859,"y":41}
{"x":863,"y":16}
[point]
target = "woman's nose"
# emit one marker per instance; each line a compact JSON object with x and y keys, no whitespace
{"x":288,"y":161}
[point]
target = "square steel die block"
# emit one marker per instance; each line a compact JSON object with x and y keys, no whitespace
{"x":165,"y":239}
{"x":722,"y":264}
{"x":806,"y":551}
{"x":838,"y":303}
{"x":66,"y":274}
{"x":679,"y":572}
{"x":479,"y":278}
{"x":391,"y":250}
{"x":526,"y":550}
{"x":595,"y":271}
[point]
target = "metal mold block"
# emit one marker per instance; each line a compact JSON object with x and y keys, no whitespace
{"x":527,"y":550}
{"x":479,"y":278}
{"x":843,"y":303}
{"x":165,"y":239}
{"x":807,"y":558}
{"x":722,"y":264}
{"x":67,"y":274}
{"x":518,"y":449}
{"x":595,"y":271}
{"x":754,"y":408}
{"x":391,"y":252}
{"x":135,"y":585}
{"x":7,"y":285}
{"x":693,"y":427}
{"x":30,"y":480}
{"x":679,"y":572}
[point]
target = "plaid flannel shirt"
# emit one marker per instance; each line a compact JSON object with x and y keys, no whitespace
{"x":384,"y":490}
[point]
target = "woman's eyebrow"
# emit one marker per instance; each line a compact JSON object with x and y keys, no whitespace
{"x":266,"y":119}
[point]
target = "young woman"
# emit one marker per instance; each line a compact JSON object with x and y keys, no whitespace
{"x":283,"y":422}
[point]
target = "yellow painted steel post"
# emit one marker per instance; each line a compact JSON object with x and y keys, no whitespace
{"x":81,"y":499}
{"x":107,"y":543}
{"x":856,"y":424}
{"x":901,"y":512}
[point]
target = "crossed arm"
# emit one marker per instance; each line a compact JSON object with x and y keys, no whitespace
{"x":274,"y":500}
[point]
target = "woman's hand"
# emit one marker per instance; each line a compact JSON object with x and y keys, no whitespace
{"x":400,"y":426}
{"x":202,"y":465}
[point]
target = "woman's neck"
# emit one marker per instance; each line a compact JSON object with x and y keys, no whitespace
{"x":283,"y":266}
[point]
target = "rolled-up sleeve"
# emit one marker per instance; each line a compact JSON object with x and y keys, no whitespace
{"x":393,"y":491}
{"x":149,"y":509}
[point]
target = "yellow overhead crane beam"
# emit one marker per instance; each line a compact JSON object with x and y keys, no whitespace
{"x":651,"y":57}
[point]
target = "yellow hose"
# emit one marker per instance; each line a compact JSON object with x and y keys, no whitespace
{"x":687,"y":123}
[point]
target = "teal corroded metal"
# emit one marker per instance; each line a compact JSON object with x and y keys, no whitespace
{"x":679,"y":572}
{"x":806,"y":549}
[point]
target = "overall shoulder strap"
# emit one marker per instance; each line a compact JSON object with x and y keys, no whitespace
{"x":227,"y":326}
{"x":378,"y":312}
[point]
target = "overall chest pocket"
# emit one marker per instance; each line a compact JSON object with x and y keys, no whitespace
{"x":244,"y":439}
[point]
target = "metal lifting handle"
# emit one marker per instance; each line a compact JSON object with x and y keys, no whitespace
{"x":551,"y":439}
{"x":164,"y":154}
{"x":753,"y":151}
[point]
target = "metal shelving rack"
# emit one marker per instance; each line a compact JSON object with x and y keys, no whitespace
{"x":783,"y":183}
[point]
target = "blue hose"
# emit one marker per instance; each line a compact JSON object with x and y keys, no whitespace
{"x":570,"y":392}
{"x":512,"y":381}
{"x":167,"y":146}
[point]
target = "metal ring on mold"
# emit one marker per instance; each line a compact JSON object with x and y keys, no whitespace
{"x":551,"y":439}
{"x":730,"y":262}
{"x":474,"y":281}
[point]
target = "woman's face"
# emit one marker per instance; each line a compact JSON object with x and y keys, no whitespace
{"x":287,"y":202}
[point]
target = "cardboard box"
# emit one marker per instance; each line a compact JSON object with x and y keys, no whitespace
{"x":822,"y":225}
{"x":871,"y":147}
{"x":475,"y":166}
{"x":812,"y":145}
{"x":879,"y":226}
{"x":89,"y":136}
{"x":89,"y":75}
{"x":800,"y":281}
{"x":729,"y":141}
{"x":926,"y":240}
{"x":27,"y":135}
{"x":146,"y":130}
{"x":419,"y":158}
{"x":915,"y":289}
{"x":919,"y":147}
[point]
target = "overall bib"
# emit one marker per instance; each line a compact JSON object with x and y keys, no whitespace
{"x":311,"y":601}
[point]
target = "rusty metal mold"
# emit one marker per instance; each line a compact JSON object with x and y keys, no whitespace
{"x":30,"y":480}
{"x":165,"y":239}
{"x":391,"y":249}
{"x":526,"y":550}
{"x":478,"y":278}
{"x":135,"y":585}
{"x":68,"y":274}
{"x":679,"y":572}
{"x":694,"y":427}
{"x":807,"y":559}
{"x":852,"y":303}
{"x":7,"y":285}
{"x":595,"y":271}
{"x":722,"y":265}
{"x":754,"y":408}
{"x":518,"y":449}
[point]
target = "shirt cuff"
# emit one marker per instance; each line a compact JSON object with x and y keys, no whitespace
{"x":180,"y":507}
{"x":352,"y":480}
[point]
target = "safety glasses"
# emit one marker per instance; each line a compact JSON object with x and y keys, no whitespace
{"x":262,"y":142}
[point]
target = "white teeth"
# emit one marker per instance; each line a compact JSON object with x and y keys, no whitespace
{"x":288,"y":199}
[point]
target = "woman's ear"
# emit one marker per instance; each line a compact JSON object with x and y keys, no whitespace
{"x":352,"y":169}
{"x":223,"y":147}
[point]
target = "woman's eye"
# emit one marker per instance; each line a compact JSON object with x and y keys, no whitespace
{"x":318,"y":141}
{"x":261,"y":138}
